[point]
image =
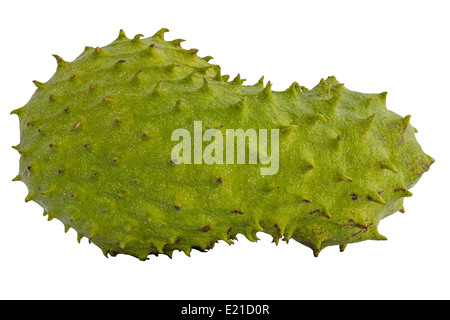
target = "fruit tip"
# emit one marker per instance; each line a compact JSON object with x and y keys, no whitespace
{"x":160,"y":33}
{"x":17,"y":111}
{"x":38,"y":84}
{"x":138,"y":37}
{"x":121,"y":35}
{"x":60,"y":61}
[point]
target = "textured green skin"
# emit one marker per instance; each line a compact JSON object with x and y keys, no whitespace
{"x":96,"y":145}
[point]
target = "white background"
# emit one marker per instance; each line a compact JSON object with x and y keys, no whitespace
{"x":401,"y":47}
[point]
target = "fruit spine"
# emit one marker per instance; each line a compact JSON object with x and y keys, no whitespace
{"x":96,"y":154}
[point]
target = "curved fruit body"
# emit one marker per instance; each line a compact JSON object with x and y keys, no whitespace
{"x":97,"y":150}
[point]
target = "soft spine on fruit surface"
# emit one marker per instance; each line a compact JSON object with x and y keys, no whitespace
{"x":96,"y":154}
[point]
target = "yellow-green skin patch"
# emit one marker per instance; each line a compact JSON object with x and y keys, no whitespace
{"x":96,"y":146}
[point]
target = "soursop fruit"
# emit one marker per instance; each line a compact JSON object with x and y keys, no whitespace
{"x":100,"y":152}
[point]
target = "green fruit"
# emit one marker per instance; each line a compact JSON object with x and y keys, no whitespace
{"x":97,"y":154}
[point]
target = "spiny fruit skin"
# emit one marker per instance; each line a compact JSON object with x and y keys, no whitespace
{"x":96,"y":143}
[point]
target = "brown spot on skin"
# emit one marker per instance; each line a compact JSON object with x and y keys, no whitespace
{"x":425,"y":168}
{"x":399,"y":189}
{"x":107,"y":99}
{"x":113,"y":253}
{"x":306,"y":200}
{"x":315,"y":211}
{"x":178,"y":208}
{"x":78,"y":124}
{"x":92,"y":87}
{"x":238,"y":211}
{"x":219,"y":180}
{"x":363,"y":228}
{"x":66,"y":109}
{"x":402,"y":210}
{"x":278,"y":230}
{"x":354,"y":196}
{"x":72,"y":76}
{"x":121,"y":61}
{"x":380,"y":192}
{"x":144,"y":135}
{"x":205,"y":229}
